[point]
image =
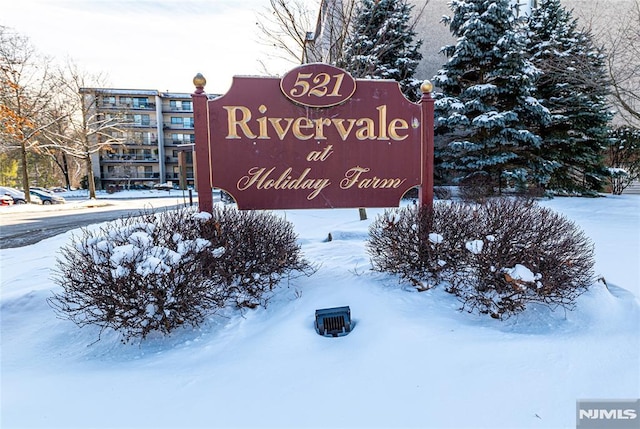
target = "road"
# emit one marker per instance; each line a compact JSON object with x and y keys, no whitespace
{"x":23,"y":226}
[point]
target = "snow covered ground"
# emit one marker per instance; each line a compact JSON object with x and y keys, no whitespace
{"x":412,"y":360}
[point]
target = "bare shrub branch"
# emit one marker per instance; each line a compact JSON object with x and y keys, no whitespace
{"x":480,"y":251}
{"x":158,"y":271}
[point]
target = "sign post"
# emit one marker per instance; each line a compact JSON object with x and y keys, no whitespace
{"x":317,"y":138}
{"x":426,"y":189}
{"x":202,"y":169}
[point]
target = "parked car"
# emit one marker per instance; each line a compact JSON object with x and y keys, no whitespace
{"x":165,"y":186}
{"x":46,"y":197}
{"x":18,"y":196}
{"x":38,"y":188}
{"x":57,"y":189}
{"x":6,"y":200}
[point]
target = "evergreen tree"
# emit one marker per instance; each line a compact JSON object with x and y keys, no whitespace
{"x":381,"y":44}
{"x":486,"y":114}
{"x":574,"y":88}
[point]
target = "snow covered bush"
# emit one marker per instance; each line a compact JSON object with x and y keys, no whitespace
{"x":497,"y":257}
{"x":157,"y":271}
{"x":137,"y":275}
{"x":400,"y":243}
{"x":260,"y":249}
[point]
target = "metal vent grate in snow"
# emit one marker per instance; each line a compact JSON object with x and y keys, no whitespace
{"x":333,"y":322}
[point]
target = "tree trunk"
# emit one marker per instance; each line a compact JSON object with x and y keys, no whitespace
{"x":90,"y":179}
{"x":65,"y":171}
{"x":25,"y":171}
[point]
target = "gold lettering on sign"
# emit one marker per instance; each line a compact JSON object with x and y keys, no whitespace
{"x":318,"y":85}
{"x":275,"y":122}
{"x":352,"y":178}
{"x":233,"y":122}
{"x":317,"y":155}
{"x":262,"y":178}
{"x":300,"y":124}
{"x":382,"y":119}
{"x":241,"y":124}
{"x":342,"y":130}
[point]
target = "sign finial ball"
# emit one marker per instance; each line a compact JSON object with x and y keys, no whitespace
{"x":426,"y":87}
{"x":199,"y":81}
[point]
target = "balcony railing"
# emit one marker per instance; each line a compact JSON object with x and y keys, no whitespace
{"x":178,"y":141}
{"x":129,"y":158}
{"x":143,"y":124}
{"x":137,"y":142}
{"x":177,"y":126}
{"x":118,"y":175}
{"x":169,"y":108}
{"x":127,"y":106}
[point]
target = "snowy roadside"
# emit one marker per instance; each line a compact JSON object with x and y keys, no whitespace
{"x":80,"y":199}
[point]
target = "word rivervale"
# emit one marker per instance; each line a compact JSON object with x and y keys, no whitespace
{"x":243,"y":123}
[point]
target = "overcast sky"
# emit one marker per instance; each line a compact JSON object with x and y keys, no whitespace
{"x":149,"y":44}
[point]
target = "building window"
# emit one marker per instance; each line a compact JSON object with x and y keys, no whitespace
{"x":180,"y":122}
{"x":118,"y":135}
{"x":140,"y":102}
{"x":183,"y":138}
{"x":141,"y":120}
{"x":180,"y":105}
{"x":137,"y":138}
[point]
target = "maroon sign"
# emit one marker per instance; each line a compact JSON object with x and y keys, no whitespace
{"x":316,"y":138}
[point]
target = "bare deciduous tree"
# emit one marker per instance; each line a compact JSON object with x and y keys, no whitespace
{"x":58,"y":152}
{"x":27,"y":85}
{"x":624,"y":67}
{"x":618,"y":31}
{"x":307,"y":31}
{"x":85,"y":132}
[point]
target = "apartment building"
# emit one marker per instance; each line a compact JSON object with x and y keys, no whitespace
{"x":155,"y":138}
